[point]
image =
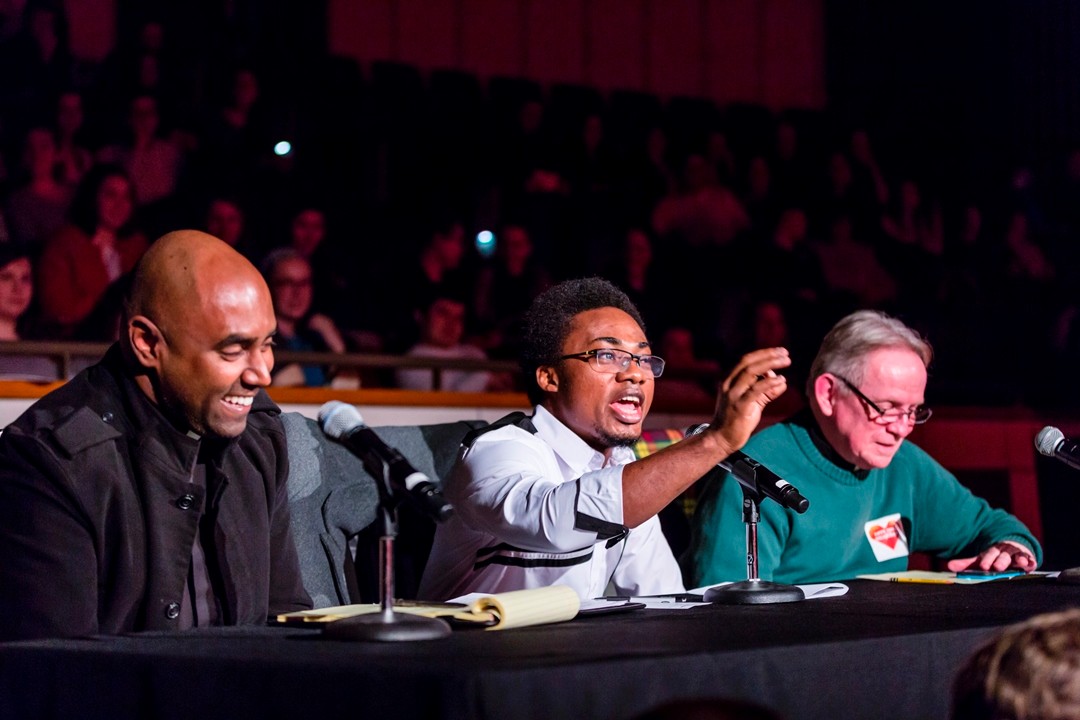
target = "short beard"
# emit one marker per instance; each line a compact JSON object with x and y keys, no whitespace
{"x":612,"y":441}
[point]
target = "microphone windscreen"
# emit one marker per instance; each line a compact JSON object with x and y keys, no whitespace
{"x":337,"y":419}
{"x":1049,"y":440}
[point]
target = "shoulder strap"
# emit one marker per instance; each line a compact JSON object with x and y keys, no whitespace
{"x":519,"y":419}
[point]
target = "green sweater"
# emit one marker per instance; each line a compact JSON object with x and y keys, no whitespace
{"x":831,"y":540}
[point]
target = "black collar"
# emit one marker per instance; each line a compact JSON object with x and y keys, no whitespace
{"x":806,"y":419}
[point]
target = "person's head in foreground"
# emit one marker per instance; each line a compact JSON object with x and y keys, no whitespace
{"x":587,"y":361}
{"x":199,"y":325}
{"x":1030,"y":671}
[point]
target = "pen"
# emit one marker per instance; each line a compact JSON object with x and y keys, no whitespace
{"x":674,"y":597}
{"x":928,"y":581}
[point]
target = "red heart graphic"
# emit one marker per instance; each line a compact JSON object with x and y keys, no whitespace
{"x":886,"y":535}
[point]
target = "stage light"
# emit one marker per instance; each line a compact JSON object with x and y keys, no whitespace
{"x":485,"y":243}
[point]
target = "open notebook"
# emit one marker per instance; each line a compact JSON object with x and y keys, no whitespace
{"x":498,"y":611}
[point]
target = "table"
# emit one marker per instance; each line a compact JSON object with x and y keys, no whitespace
{"x":881,"y":646}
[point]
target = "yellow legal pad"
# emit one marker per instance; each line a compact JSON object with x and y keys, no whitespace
{"x":498,"y":611}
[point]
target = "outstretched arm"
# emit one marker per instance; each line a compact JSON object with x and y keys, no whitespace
{"x":649,"y":484}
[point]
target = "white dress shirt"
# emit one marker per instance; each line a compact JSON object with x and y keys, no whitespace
{"x":534,"y":509}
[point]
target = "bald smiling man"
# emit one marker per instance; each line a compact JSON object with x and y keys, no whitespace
{"x":149,"y":492}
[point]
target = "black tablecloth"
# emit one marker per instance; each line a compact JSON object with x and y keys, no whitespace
{"x":883,"y":648}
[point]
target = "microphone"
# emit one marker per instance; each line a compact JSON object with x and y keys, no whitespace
{"x":1051,"y":442}
{"x":757,"y":478}
{"x":342,"y":422}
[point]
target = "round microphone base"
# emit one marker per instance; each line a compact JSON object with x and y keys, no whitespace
{"x":387,"y":626}
{"x":753,"y":592}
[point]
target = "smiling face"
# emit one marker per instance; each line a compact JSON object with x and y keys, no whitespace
{"x":893,"y":377}
{"x":603,"y":409}
{"x":202,"y":326}
{"x":215,"y":360}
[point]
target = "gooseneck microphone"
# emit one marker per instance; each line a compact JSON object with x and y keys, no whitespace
{"x":757,"y":478}
{"x":1051,"y":442}
{"x":342,"y":422}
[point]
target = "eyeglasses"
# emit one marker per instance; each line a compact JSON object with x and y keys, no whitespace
{"x":916,"y":415}
{"x":610,"y":360}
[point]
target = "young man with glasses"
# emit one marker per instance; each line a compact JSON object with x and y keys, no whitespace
{"x":554,"y":498}
{"x":874,"y":497}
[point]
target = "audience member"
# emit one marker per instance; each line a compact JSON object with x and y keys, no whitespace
{"x":759,"y":198}
{"x":791,"y":167}
{"x":143,"y":65}
{"x":1029,"y":671}
{"x":442,"y":330}
{"x":705,"y":213}
{"x":289,"y":276}
{"x":505,"y":288}
{"x":332,"y":272}
{"x":866,"y":171}
{"x":874,"y":497}
{"x":690,"y":380}
{"x":16,"y":293}
{"x":638,"y":273}
{"x":35,"y":65}
{"x":73,"y":158}
{"x":82,"y":264}
{"x":769,"y":326}
{"x":38,"y":208}
{"x":794,"y":271}
{"x":151,"y":161}
{"x":718,"y":153}
{"x":174,"y":419}
{"x":851,"y":270}
{"x":438,"y":272}
{"x":555,"y":498}
{"x":225,"y":221}
{"x":235,"y":140}
{"x":649,"y":179}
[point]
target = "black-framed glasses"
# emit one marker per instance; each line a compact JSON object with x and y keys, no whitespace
{"x":610,"y":360}
{"x":887,"y":416}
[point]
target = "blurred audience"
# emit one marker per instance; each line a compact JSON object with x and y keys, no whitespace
{"x":688,"y":380}
{"x":38,"y":208}
{"x":73,"y":157}
{"x":82,"y":266}
{"x":442,"y":331}
{"x":289,"y":276}
{"x":738,"y":213}
{"x":504,"y":290}
{"x":16,"y":293}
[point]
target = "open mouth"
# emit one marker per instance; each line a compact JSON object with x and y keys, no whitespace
{"x":628,"y":408}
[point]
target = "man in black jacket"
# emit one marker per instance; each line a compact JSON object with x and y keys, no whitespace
{"x":149,"y":493}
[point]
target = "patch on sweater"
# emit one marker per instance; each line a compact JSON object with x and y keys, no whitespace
{"x":886,"y":537}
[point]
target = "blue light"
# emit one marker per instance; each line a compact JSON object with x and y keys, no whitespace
{"x":485,"y":243}
{"x":282,"y":148}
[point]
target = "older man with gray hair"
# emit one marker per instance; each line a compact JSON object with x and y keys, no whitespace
{"x":875,"y":498}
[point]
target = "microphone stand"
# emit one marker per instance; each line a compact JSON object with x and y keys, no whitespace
{"x":387,"y":625}
{"x":753,"y":590}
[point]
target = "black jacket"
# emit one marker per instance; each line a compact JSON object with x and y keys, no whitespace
{"x":98,"y":515}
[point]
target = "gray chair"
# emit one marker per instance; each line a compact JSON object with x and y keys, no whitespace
{"x":334,"y":507}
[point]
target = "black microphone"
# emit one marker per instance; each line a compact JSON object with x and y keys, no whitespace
{"x":757,"y":478}
{"x":1051,"y":442}
{"x":342,"y":422}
